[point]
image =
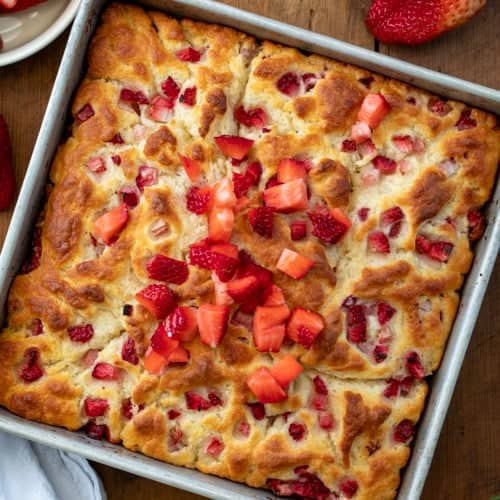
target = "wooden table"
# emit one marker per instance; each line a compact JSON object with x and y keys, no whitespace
{"x":467,"y":461}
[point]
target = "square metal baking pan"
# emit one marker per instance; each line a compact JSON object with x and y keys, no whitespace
{"x":17,"y":240}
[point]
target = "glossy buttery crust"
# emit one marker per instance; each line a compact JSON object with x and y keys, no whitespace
{"x":79,"y":283}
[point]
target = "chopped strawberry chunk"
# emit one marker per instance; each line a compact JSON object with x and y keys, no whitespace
{"x":255,"y":117}
{"x":157,"y":299}
{"x":360,"y":133}
{"x":264,"y":386}
{"x":438,"y":107}
{"x":348,"y":146}
{"x":97,"y":431}
{"x":290,"y":169}
{"x":117,"y":139}
{"x":192,"y":167}
{"x":195,"y":401}
{"x":136,"y":97}
{"x":320,"y":386}
{"x":403,"y":431}
{"x":435,"y":250}
{"x":293,"y":264}
{"x":95,"y":407}
{"x":310,"y":80}
{"x":129,"y":353}
{"x":243,"y":289}
{"x":466,"y":121}
{"x":273,"y":181}
{"x":189,"y":96}
{"x":243,"y":182}
{"x":160,"y":108}
{"x":274,"y":296}
{"x":84,"y":113}
{"x":392,"y":389}
{"x":304,"y":326}
{"x":128,"y":409}
{"x":390,"y":216}
{"x":254,"y":171}
{"x":220,"y":291}
{"x":223,"y":194}
{"x":36,"y":327}
{"x":233,"y":146}
{"x":348,"y":487}
{"x":81,"y":333}
{"x":286,"y":370}
{"x":268,"y":316}
{"x":188,"y":54}
{"x":130,"y":196}
{"x":261,"y":219}
{"x":268,"y":339}
{"x":373,"y":110}
{"x":326,"y":421}
{"x":173,"y":414}
{"x":414,"y":365}
{"x":179,"y":355}
{"x":403,"y":142}
{"x":147,"y":176}
{"x":329,"y":227}
{"x":378,"y":242}
{"x":384,"y":165}
{"x":422,"y":244}
{"x":154,"y":363}
{"x":288,"y":197}
{"x":212,"y":323}
{"x":380,"y":352}
{"x":110,"y":225}
{"x":258,"y":410}
{"x":363,"y":213}
{"x":477,"y":223}
{"x":225,"y":249}
{"x":356,"y":324}
{"x":105,"y":371}
{"x":405,"y":385}
{"x":30,"y":370}
{"x":307,"y":486}
{"x":163,"y":268}
{"x":198,"y":199}
{"x":162,"y":343}
{"x":214,"y":447}
{"x":182,"y":324}
{"x":366,"y":148}
{"x":170,"y":89}
{"x":296,"y":431}
{"x":298,"y":230}
{"x":96,"y":165}
{"x":116,"y":159}
{"x":202,"y":255}
{"x":384,"y":312}
{"x":220,"y":224}
{"x":289,"y":84}
{"x":249,"y":267}
{"x":243,"y":428}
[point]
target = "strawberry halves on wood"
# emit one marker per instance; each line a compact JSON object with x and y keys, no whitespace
{"x":7,"y":178}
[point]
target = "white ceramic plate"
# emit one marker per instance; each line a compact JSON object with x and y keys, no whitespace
{"x":26,"y":32}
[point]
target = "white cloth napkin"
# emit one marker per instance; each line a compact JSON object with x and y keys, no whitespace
{"x":33,"y":471}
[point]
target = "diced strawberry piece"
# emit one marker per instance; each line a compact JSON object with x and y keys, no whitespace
{"x":286,"y":370}
{"x":268,"y":316}
{"x":36,"y":327}
{"x":95,"y":407}
{"x":304,"y":326}
{"x":254,"y":171}
{"x":320,"y":386}
{"x":319,"y":402}
{"x":326,"y":421}
{"x":220,"y":224}
{"x":403,"y":431}
{"x":414,"y":365}
{"x":310,"y":80}
{"x":255,"y":117}
{"x":136,"y":97}
{"x":378,"y":242}
{"x":201,"y":255}
{"x":154,"y":363}
{"x":198,"y":199}
{"x":160,"y":108}
{"x":223,"y":194}
{"x":422,"y":244}
{"x":466,"y":121}
{"x":30,"y":370}
{"x":264,"y":387}
{"x":242,"y":183}
{"x":188,"y":54}
{"x":392,"y":389}
{"x":243,"y":289}
{"x":195,"y":401}
{"x":360,"y":133}
{"x":298,"y":230}
{"x":384,"y":165}
{"x":109,"y":225}
{"x":307,"y":486}
{"x":373,"y":110}
{"x":289,"y":84}
{"x":189,"y":96}
{"x":162,"y":343}
{"x":274,"y":296}
{"x":436,"y":250}
{"x":233,"y":146}
{"x":366,"y":148}
{"x":130,"y":196}
{"x":288,"y":197}
{"x":273,"y":181}
{"x":249,"y":267}
{"x":117,"y":139}
{"x":438,"y":107}
{"x":404,"y":143}
{"x":356,"y":324}
{"x":129,"y":353}
{"x":170,"y":89}
{"x":258,"y":410}
{"x":128,"y":409}
{"x":290,"y":169}
{"x":88,"y":359}
{"x":106,"y":371}
{"x":225,"y":249}
{"x":296,"y":431}
{"x":214,"y":447}
{"x":163,"y":268}
{"x":116,"y":159}
{"x":192,"y":167}
{"x":348,"y":487}
{"x":384,"y":312}
{"x":81,"y":333}
{"x":477,"y":223}
{"x":349,"y":146}
{"x":363,"y":213}
{"x":329,"y":227}
{"x":380,"y":352}
{"x":268,"y":339}
{"x":178,"y":355}
{"x":97,"y":431}
{"x":175,"y":436}
{"x":261,"y":219}
{"x":182,"y":324}
{"x":173,"y":414}
{"x":157,"y":299}
{"x":96,"y":165}
{"x":293,"y":264}
{"x":390,"y":216}
{"x":405,"y":385}
{"x":220,"y":291}
{"x":243,"y":428}
{"x":212,"y":323}
{"x":84,"y":113}
{"x":147,"y":176}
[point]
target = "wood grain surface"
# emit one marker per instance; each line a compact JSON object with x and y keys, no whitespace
{"x":467,"y":461}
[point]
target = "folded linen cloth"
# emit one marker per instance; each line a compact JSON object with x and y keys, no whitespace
{"x":33,"y":471}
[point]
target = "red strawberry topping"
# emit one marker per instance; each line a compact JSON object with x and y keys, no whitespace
{"x":163,"y":268}
{"x":137,"y":97}
{"x":384,"y":165}
{"x":348,"y":487}
{"x":298,"y":230}
{"x":466,"y":121}
{"x":264,"y":386}
{"x":296,"y":431}
{"x":198,"y":199}
{"x":243,"y":428}
{"x":192,"y":167}
{"x":212,"y":323}
{"x":30,"y":370}
{"x":170,"y":89}
{"x":147,"y":176}
{"x":188,"y":54}
{"x":130,"y":196}
{"x":84,"y":113}
{"x":261,"y":219}
{"x":307,"y":486}
{"x":384,"y":312}
{"x":363,"y":213}
{"x":214,"y":447}
{"x":129,"y":353}
{"x":392,"y":389}
{"x":233,"y":146}
{"x":128,"y":409}
{"x":258,"y":410}
{"x":189,"y":96}
{"x":173,"y":414}
{"x":97,"y":431}
{"x":477,"y":223}
{"x":105,"y":371}
{"x":356,"y":323}
{"x":329,"y":227}
{"x":348,"y":146}
{"x":201,"y":255}
{"x":288,"y":197}
{"x":360,"y":134}
{"x":117,"y":139}
{"x":157,"y":299}
{"x":435,"y":250}
{"x":95,"y":407}
{"x":182,"y":324}
{"x":392,"y":217}
{"x":81,"y":333}
{"x":116,"y":159}
{"x":162,"y":343}
{"x":403,"y":431}
{"x":378,"y":242}
{"x":255,"y":117}
{"x":36,"y":327}
{"x":380,"y":352}
{"x":160,"y":108}
{"x":373,"y":110}
{"x":438,"y":107}
{"x":414,"y":365}
{"x":289,"y":84}
{"x":320,"y":386}
{"x":304,"y":326}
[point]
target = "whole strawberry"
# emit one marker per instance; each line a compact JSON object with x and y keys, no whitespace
{"x":7,"y":179}
{"x":416,"y":21}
